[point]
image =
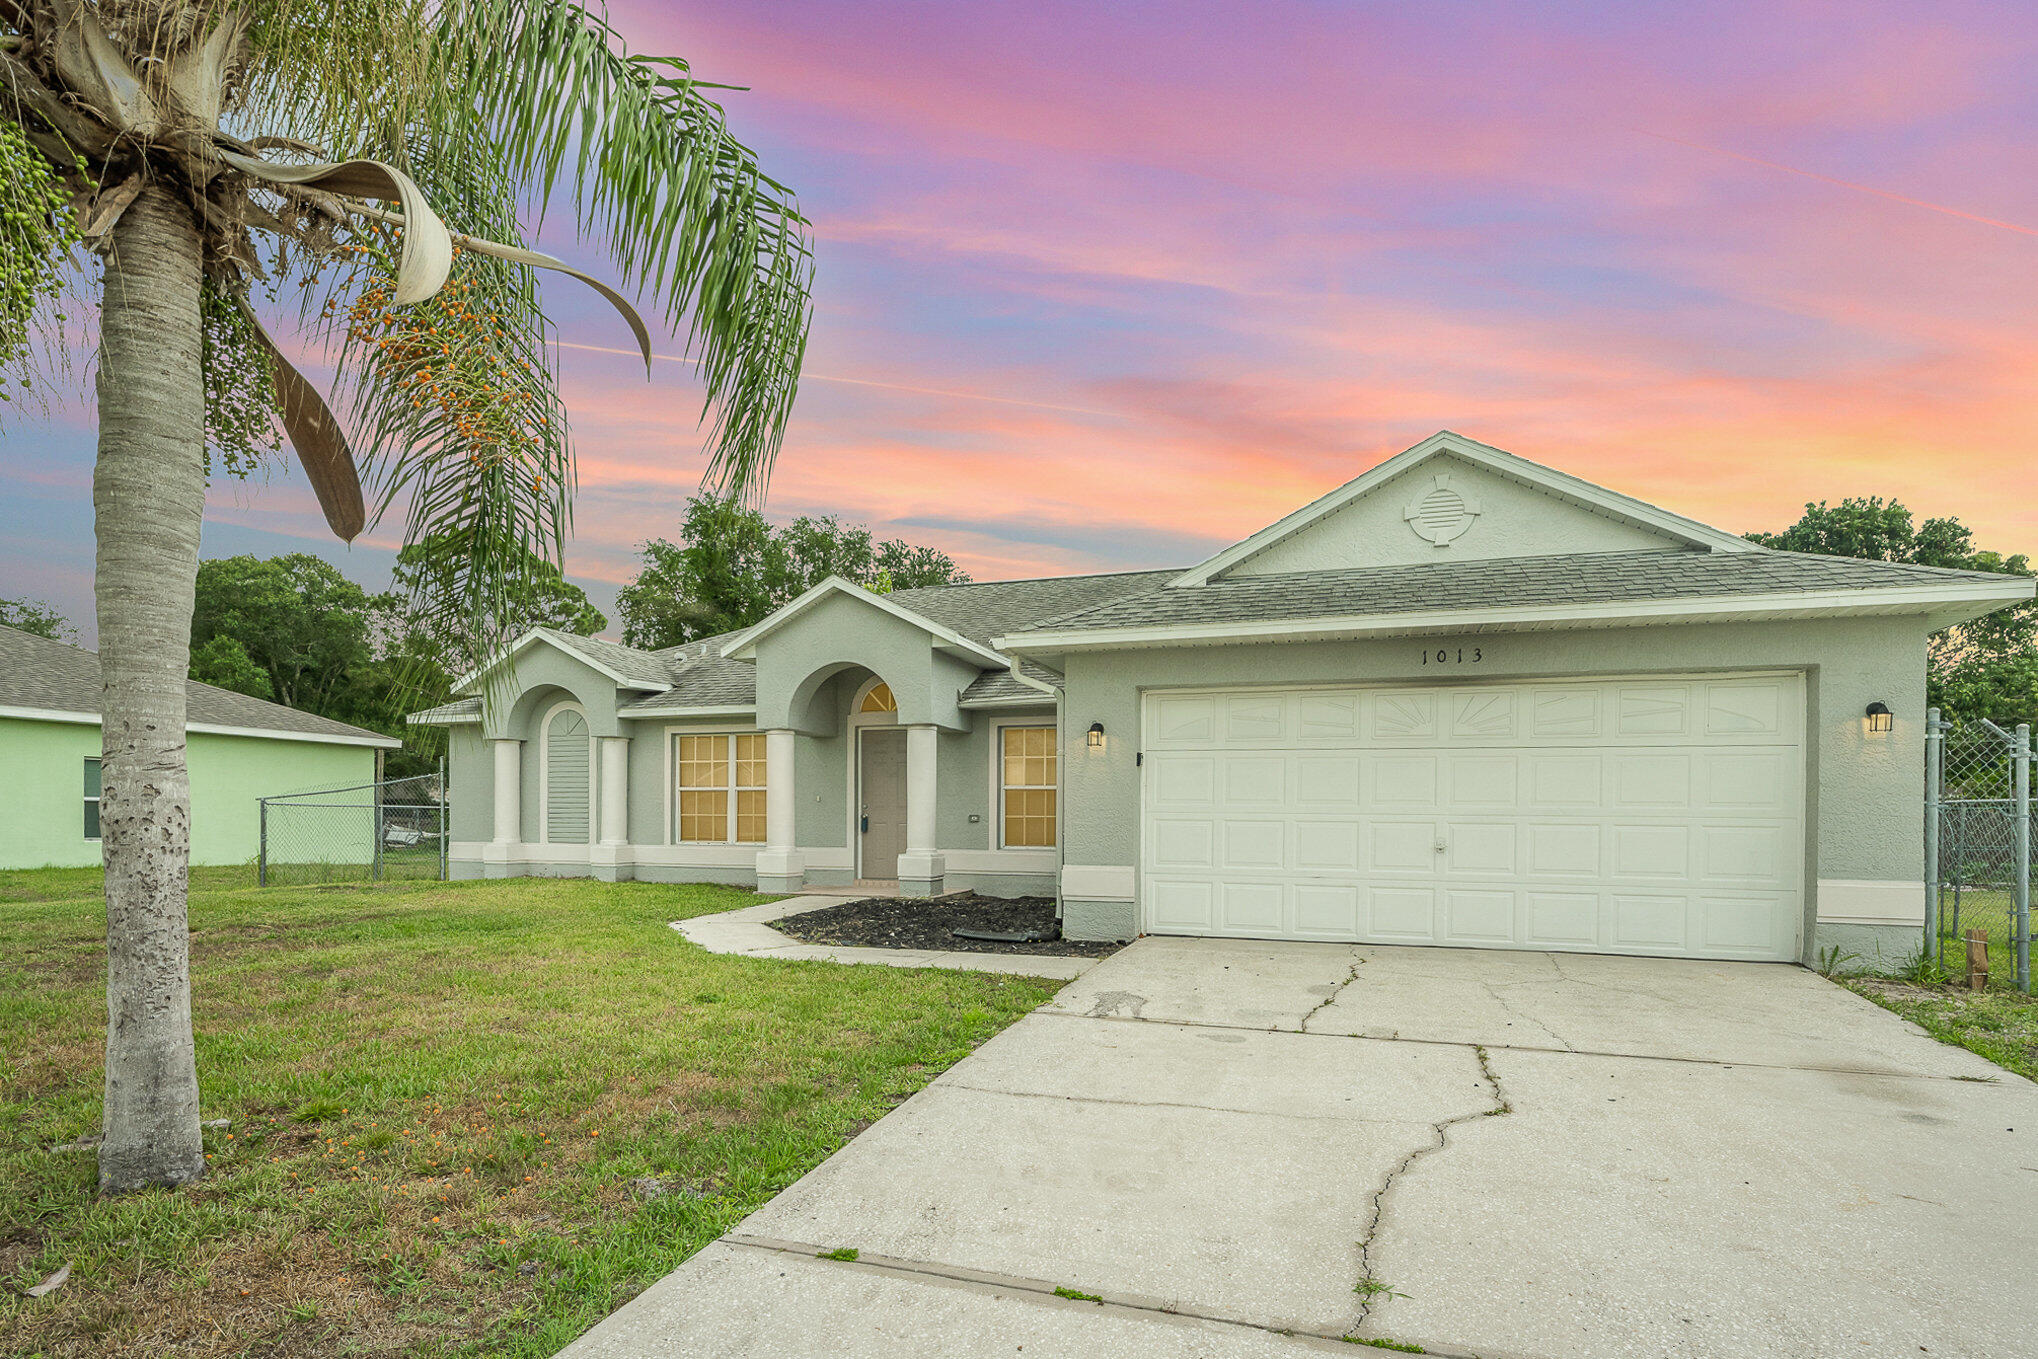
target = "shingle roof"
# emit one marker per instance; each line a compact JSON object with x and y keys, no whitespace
{"x":36,"y":672}
{"x":1576,"y":578}
{"x":701,"y":677}
{"x":637,"y":667}
{"x":983,"y":610}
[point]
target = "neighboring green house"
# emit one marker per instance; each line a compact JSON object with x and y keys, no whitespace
{"x":241,"y":749}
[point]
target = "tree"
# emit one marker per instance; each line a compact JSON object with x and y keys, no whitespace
{"x":205,"y":148}
{"x":731,"y":568}
{"x":32,"y":615}
{"x":1984,"y":668}
{"x":295,"y":620}
{"x":414,"y":615}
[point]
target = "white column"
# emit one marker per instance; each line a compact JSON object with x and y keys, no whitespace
{"x":780,"y":865}
{"x":615,"y":790}
{"x":509,"y":791}
{"x":920,"y":867}
{"x":778,"y":790}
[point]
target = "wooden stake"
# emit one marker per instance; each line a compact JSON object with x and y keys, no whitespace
{"x":1977,"y":960}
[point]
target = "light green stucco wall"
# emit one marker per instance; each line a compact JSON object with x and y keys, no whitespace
{"x":1513,"y":521}
{"x":42,"y":815}
{"x":1864,"y":818}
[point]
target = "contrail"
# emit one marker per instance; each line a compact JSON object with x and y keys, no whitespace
{"x":863,"y":382}
{"x":1850,"y":184}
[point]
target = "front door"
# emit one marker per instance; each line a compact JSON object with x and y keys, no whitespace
{"x":881,"y":815}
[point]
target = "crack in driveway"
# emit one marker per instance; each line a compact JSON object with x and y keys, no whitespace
{"x":1370,"y":1289}
{"x":1493,"y":989}
{"x":1331,"y":998}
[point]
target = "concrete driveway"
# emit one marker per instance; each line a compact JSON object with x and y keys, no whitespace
{"x":1255,"y":1149}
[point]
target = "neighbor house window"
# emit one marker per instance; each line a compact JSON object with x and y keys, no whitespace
{"x":1026,"y":786}
{"x":91,"y":799}
{"x":721,"y":789}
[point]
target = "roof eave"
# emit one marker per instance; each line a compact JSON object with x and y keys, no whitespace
{"x":466,"y":683}
{"x":743,"y":647}
{"x":1937,"y":606}
{"x":1514,"y":467}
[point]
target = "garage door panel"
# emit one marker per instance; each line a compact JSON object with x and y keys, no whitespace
{"x":1565,"y":782}
{"x":1641,"y":816}
{"x":1482,"y":847}
{"x":1479,"y":917}
{"x":1649,"y":921}
{"x":1179,"y":843}
{"x":1561,"y":919}
{"x":1254,"y":780}
{"x":1397,"y":780}
{"x":1175,"y":905}
{"x":1479,"y":781}
{"x":1755,"y":856}
{"x":1401,"y":915}
{"x":1252,"y":908}
{"x":1184,"y":781}
{"x":1328,"y":781}
{"x":1327,"y":846}
{"x":1327,"y":912}
{"x":1558,"y":850}
{"x":1252,"y":846}
{"x":1401,"y":847}
{"x":1650,"y":852}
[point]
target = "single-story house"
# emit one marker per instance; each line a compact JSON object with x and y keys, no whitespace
{"x":239,"y":749}
{"x":1464,"y":699}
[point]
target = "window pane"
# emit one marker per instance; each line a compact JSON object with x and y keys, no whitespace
{"x":750,"y":761}
{"x":92,"y":818}
{"x":704,"y":815}
{"x":704,"y":762}
{"x":880,"y":700}
{"x":92,"y":778}
{"x":750,"y":816}
{"x":1029,"y":818}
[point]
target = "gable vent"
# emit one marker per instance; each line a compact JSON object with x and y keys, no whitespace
{"x":1442,"y":513}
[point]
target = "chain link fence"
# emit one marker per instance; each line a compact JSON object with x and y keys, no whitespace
{"x":392,"y":829}
{"x":1978,"y":838}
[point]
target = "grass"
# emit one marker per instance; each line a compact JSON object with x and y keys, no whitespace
{"x":465,"y":1119}
{"x":1999,"y":1023}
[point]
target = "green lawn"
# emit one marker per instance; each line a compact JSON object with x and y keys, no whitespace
{"x":2000,"y":1022}
{"x":440,"y":1096}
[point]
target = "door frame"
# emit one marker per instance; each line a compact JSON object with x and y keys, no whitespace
{"x":858,"y":721}
{"x":1807,"y":750}
{"x":856,"y":803}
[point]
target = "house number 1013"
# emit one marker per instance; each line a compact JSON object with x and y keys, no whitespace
{"x":1450,"y":655}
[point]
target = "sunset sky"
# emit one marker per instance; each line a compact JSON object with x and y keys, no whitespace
{"x":1107,"y":287}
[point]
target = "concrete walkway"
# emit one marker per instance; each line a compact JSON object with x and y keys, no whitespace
{"x":749,"y":932}
{"x":1255,"y":1149}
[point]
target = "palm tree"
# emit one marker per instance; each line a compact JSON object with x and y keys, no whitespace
{"x":313,"y":150}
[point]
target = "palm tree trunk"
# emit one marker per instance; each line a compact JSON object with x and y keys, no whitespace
{"x":148,"y":497}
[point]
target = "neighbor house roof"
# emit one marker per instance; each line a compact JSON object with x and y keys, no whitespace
{"x":55,"y":682}
{"x":1592,"y":580}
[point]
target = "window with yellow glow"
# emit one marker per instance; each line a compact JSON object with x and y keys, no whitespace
{"x":879,"y":700}
{"x":1027,"y":787}
{"x":721,"y":789}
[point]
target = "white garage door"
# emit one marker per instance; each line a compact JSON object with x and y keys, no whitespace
{"x":1609,"y":816}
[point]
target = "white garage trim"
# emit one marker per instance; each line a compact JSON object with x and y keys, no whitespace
{"x":1650,"y":814}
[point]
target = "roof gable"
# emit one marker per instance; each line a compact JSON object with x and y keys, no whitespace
{"x":1450,"y":498}
{"x":743,"y":646}
{"x":627,"y":666}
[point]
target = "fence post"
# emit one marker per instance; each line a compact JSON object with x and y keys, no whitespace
{"x":445,"y":829}
{"x":2021,"y":782}
{"x":1935,"y":764}
{"x":262,"y":860}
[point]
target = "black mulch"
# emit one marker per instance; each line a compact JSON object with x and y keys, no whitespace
{"x":928,"y":922}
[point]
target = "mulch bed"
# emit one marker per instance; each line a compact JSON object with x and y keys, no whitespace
{"x":928,"y":922}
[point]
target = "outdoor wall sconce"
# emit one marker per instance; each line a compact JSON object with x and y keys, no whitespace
{"x":1880,"y":718}
{"x":1096,"y":736}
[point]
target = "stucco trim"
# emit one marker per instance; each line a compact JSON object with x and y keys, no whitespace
{"x":743,"y":647}
{"x":1919,"y":599}
{"x":1444,"y":443}
{"x":1858,"y":901}
{"x":211,"y":729}
{"x":1099,"y":882}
